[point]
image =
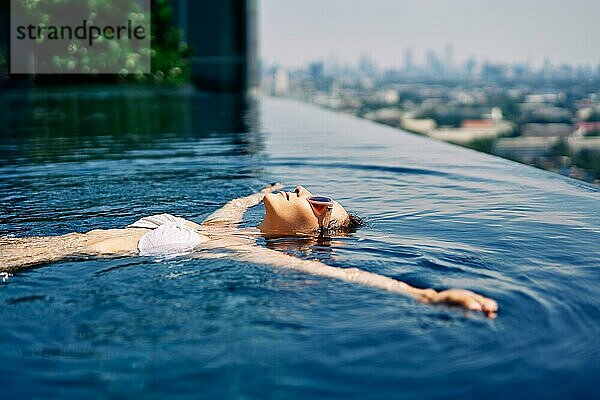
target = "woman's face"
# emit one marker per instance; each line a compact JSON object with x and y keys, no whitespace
{"x":291,"y":213}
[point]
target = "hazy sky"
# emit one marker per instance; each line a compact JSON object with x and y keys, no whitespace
{"x":293,"y":32}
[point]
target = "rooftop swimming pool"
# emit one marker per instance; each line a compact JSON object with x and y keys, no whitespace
{"x":437,"y":216}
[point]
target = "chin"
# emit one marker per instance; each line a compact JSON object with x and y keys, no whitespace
{"x":269,"y":200}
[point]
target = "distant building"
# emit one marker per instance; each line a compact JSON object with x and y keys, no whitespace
{"x":477,"y":124}
{"x":539,"y":112}
{"x":449,"y":56}
{"x":577,"y":144}
{"x":496,"y":114}
{"x":389,"y":116}
{"x":472,"y":129}
{"x":524,"y":147}
{"x":423,"y":126}
{"x":366,"y":66}
{"x":408,"y":60}
{"x":541,"y":98}
{"x":434,"y":65}
{"x":584,"y":128}
{"x":281,"y":82}
{"x":547,"y":130}
{"x":315,"y":69}
{"x":386,"y":96}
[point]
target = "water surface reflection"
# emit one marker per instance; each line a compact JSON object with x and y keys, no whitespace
{"x":437,"y":215}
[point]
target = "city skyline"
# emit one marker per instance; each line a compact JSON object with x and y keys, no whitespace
{"x":527,"y":32}
{"x":433,"y":62}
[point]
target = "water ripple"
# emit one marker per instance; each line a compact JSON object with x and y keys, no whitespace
{"x":438,"y":216}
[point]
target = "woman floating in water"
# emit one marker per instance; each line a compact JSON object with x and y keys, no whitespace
{"x":219,"y":236}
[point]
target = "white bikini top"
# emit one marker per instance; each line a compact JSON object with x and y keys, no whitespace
{"x":169,"y":235}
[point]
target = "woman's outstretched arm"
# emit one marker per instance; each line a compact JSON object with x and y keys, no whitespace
{"x":21,"y":253}
{"x":459,"y":297}
{"x":232,"y":213}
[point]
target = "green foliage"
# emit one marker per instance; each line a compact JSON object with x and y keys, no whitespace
{"x":170,"y":53}
{"x":560,"y":148}
{"x":588,"y":159}
{"x":485,"y":145}
{"x":594,"y":117}
{"x":451,"y":116}
{"x":443,"y":117}
{"x":3,"y":59}
{"x":80,"y":56}
{"x":509,"y":107}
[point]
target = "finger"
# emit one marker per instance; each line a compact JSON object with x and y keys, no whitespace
{"x":486,"y":303}
{"x":470,"y":303}
{"x":489,"y":305}
{"x":491,"y":315}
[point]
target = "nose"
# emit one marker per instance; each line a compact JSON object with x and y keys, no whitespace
{"x":301,"y":191}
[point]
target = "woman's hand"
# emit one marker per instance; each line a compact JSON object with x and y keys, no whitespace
{"x":464,"y":298}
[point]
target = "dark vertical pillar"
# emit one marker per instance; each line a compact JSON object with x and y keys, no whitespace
{"x":252,"y":40}
{"x":222,"y":35}
{"x":4,"y":41}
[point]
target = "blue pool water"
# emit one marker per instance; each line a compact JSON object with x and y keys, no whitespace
{"x":437,"y":216}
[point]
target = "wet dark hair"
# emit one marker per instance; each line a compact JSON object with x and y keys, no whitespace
{"x":348,"y":225}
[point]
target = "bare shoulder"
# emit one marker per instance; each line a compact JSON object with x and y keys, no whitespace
{"x":192,"y":224}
